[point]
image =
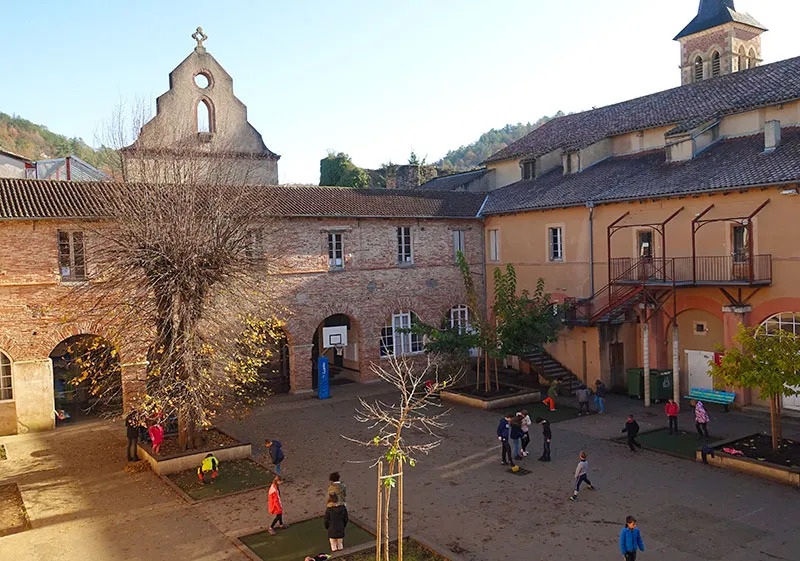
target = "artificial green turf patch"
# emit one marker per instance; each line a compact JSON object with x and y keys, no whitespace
{"x":562,"y":412}
{"x":234,"y":475}
{"x":684,"y":444}
{"x":307,"y":538}
{"x":412,"y":551}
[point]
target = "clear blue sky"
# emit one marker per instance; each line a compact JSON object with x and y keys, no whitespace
{"x":375,"y":79}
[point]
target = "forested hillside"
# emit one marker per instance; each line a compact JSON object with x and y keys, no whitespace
{"x":34,"y":141}
{"x":471,"y":156}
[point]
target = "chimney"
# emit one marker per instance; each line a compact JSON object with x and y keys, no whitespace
{"x":772,"y":135}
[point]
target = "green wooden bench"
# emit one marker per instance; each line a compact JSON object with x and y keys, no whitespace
{"x":711,"y":396}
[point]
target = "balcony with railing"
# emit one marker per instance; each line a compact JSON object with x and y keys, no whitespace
{"x":715,"y":270}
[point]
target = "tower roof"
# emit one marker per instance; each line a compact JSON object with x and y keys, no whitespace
{"x":713,"y":13}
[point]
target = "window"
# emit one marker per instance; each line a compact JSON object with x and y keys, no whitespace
{"x":255,"y":245}
{"x":786,"y":321}
{"x":494,"y":245}
{"x":71,"y":259}
{"x":645,"y":243}
{"x":753,"y":61}
{"x":459,"y":318}
{"x":716,"y":67}
{"x":5,"y":378}
{"x":698,"y":69}
{"x":529,"y":169}
{"x":396,"y":340}
{"x":204,"y":117}
{"x":700,"y":328}
{"x":556,"y":241}
{"x":458,"y":243}
{"x":404,"y":250}
{"x":335,"y":251}
{"x":742,"y":59}
{"x":740,"y":250}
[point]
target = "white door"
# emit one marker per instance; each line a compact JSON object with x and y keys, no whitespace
{"x":792,"y":402}
{"x":698,"y":364}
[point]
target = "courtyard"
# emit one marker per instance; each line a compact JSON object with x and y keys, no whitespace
{"x":83,"y":504}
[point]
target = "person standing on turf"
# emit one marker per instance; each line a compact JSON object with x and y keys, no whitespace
{"x":671,"y":409}
{"x":701,"y":419}
{"x":630,"y":539}
{"x":600,"y":396}
{"x":581,"y":475}
{"x":336,"y":488}
{"x":275,"y":505}
{"x":503,"y":434}
{"x":336,"y":520}
{"x":632,"y":430}
{"x":552,"y":392}
{"x":583,"y":394}
{"x":547,"y":436}
{"x":276,"y":454}
{"x":525,"y":423}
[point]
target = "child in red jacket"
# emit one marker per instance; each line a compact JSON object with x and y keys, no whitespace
{"x":671,"y":409}
{"x":275,"y":505}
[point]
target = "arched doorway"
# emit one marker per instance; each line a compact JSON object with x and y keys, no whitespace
{"x":342,"y":358}
{"x":87,"y":378}
{"x":274,"y":374}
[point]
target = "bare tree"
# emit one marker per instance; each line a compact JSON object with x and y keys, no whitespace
{"x":178,"y":268}
{"x":405,"y":430}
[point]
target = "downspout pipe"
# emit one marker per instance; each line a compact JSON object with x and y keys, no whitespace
{"x":590,"y":206}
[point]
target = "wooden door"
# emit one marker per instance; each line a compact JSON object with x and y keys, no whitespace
{"x":617,"y":359}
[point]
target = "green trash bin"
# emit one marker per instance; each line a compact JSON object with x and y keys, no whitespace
{"x":660,"y":385}
{"x":635,"y":382}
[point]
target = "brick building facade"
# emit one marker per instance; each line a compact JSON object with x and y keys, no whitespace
{"x":345,"y":257}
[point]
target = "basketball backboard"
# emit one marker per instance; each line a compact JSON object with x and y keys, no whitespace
{"x":334,"y":336}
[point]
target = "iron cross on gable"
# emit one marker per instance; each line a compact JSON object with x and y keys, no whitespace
{"x":199,"y":36}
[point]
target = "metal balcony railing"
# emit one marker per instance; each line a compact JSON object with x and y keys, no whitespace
{"x":706,"y":270}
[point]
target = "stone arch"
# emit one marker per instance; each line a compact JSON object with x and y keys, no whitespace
{"x":349,"y":362}
{"x":126,"y":352}
{"x":10,"y":348}
{"x":692,"y":302}
{"x":767,"y":309}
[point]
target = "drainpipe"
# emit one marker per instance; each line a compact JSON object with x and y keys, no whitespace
{"x":590,"y":206}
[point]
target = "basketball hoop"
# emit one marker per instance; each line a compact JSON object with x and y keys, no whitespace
{"x":339,"y":349}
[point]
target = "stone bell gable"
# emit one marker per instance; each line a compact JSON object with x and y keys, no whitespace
{"x":200,"y":120}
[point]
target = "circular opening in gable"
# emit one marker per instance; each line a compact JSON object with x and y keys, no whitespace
{"x":202,"y":80}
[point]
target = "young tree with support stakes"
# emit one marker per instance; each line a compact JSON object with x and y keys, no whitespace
{"x":767,"y":361}
{"x":405,"y":430}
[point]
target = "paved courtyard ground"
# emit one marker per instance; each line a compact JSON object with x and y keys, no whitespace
{"x":84,"y":506}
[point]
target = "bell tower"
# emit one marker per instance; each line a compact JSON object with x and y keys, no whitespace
{"x":719,"y":41}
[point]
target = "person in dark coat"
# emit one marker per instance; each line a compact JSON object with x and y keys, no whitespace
{"x":503,"y":434}
{"x":132,"y":425}
{"x":547,"y":436}
{"x":632,"y":430}
{"x":336,"y":520}
{"x":516,"y":435}
{"x":276,"y":454}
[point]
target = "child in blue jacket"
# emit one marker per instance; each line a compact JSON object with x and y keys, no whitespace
{"x":630,"y":539}
{"x":503,"y":434}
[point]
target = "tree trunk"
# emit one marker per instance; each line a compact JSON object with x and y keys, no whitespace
{"x":478,"y":371}
{"x":775,"y":421}
{"x":487,"y":375}
{"x":187,"y":434}
{"x":496,"y":376}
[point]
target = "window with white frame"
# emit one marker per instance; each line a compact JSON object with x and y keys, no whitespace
{"x":6,"y":391}
{"x":335,"y":250}
{"x":396,"y":339}
{"x":458,"y":243}
{"x":494,"y":245}
{"x":459,"y":318}
{"x":71,"y":256}
{"x":556,"y":241}
{"x":786,"y":321}
{"x":405,"y":254}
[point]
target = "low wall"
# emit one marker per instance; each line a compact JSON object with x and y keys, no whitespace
{"x":526,"y":395}
{"x":778,"y":474}
{"x":193,"y":459}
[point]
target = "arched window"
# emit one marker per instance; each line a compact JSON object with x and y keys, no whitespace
{"x":459,"y":318}
{"x":753,"y":58}
{"x":786,"y":321}
{"x":6,"y":392}
{"x":396,"y":339}
{"x":716,"y":66}
{"x":204,"y":116}
{"x":698,"y":69}
{"x":742,"y":59}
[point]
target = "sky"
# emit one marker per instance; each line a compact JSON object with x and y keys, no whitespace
{"x":373,"y":78}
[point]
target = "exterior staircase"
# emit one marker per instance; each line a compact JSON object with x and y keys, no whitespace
{"x":549,"y":368}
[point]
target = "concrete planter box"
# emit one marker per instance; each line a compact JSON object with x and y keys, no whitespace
{"x":776,"y":473}
{"x":192,"y":459}
{"x":525,"y":395}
